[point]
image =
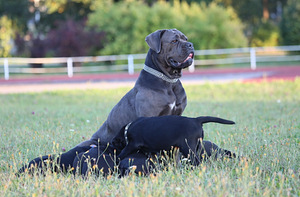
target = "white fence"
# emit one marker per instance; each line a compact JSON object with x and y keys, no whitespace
{"x":218,"y":56}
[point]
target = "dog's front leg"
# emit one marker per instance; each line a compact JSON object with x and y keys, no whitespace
{"x":127,"y":151}
{"x":181,"y":100}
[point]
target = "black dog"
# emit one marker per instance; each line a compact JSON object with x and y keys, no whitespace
{"x":211,"y":150}
{"x":154,"y":134}
{"x":103,"y":160}
{"x":99,"y":160}
{"x":139,"y":163}
{"x":54,"y":163}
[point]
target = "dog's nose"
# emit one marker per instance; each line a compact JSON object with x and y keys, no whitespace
{"x":190,"y":45}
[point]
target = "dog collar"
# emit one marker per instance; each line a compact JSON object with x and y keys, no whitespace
{"x":159,"y":74}
{"x":125,"y":133}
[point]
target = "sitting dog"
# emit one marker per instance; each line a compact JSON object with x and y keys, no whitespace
{"x":154,"y":134}
{"x":158,"y":90}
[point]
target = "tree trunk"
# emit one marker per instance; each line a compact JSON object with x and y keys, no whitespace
{"x":265,"y":10}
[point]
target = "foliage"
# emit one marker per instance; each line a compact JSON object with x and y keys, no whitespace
{"x":71,"y":38}
{"x":18,"y":12}
{"x":6,"y":36}
{"x":62,"y":10}
{"x":211,"y":26}
{"x":204,"y":21}
{"x":265,"y":34}
{"x":30,"y":32}
{"x":290,"y":24}
{"x":127,"y":23}
{"x":266,"y":132}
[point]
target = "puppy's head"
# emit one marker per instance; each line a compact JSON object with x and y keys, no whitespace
{"x":172,"y":51}
{"x":118,"y":141}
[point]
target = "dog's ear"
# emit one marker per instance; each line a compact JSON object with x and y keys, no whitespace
{"x":118,"y":143}
{"x":119,"y":140}
{"x":153,"y":40}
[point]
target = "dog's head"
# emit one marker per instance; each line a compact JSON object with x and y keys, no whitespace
{"x":172,"y":51}
{"x":119,"y":141}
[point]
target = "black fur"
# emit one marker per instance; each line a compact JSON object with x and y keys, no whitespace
{"x":154,"y":134}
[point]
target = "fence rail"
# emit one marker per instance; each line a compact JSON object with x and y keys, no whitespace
{"x":202,"y":57}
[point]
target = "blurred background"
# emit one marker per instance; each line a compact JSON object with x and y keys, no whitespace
{"x":72,"y":28}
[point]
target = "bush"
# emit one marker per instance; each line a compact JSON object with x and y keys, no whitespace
{"x":290,"y":24}
{"x":71,"y":38}
{"x":266,"y":34}
{"x":127,"y":23}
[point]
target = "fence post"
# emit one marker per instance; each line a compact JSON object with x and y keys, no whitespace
{"x":130,"y":65}
{"x":70,"y":67}
{"x":252,"y":58}
{"x":6,"y":70}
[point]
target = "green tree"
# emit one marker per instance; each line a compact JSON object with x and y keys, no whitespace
{"x":265,"y":34}
{"x":17,"y":11}
{"x":260,"y":18}
{"x":211,"y":26}
{"x":127,"y":23}
{"x":290,"y":24}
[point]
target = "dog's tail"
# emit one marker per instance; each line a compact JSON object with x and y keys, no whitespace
{"x":206,"y":119}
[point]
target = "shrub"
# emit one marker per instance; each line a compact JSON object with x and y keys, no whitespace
{"x":127,"y":23}
{"x":70,"y":38}
{"x":266,"y":34}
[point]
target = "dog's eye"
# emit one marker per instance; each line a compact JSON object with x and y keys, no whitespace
{"x":174,"y":41}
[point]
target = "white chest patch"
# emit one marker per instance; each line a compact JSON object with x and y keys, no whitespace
{"x":172,"y":105}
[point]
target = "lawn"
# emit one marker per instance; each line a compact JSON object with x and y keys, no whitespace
{"x":267,"y":133}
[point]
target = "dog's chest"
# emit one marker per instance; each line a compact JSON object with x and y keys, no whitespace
{"x":172,"y":106}
{"x":176,"y":98}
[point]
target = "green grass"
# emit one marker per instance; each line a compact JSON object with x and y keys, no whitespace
{"x":267,"y":133}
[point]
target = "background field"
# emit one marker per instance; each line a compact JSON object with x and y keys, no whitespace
{"x":267,"y":133}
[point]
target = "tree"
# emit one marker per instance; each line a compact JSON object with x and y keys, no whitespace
{"x":290,"y":24}
{"x":17,"y":11}
{"x":32,"y":20}
{"x":127,"y":23}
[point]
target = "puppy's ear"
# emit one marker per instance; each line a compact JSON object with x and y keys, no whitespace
{"x":118,"y":143}
{"x":153,"y":40}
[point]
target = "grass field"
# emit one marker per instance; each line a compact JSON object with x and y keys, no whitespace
{"x":267,"y":133}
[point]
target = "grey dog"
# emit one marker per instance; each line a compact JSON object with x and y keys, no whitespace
{"x":158,"y":90}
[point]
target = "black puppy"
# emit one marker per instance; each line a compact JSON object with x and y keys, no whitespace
{"x":209,"y":149}
{"x":103,"y":160}
{"x":139,"y":163}
{"x":154,"y":134}
{"x":99,"y":160}
{"x":56,"y":163}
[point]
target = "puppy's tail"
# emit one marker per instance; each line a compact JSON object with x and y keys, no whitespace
{"x":206,"y":119}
